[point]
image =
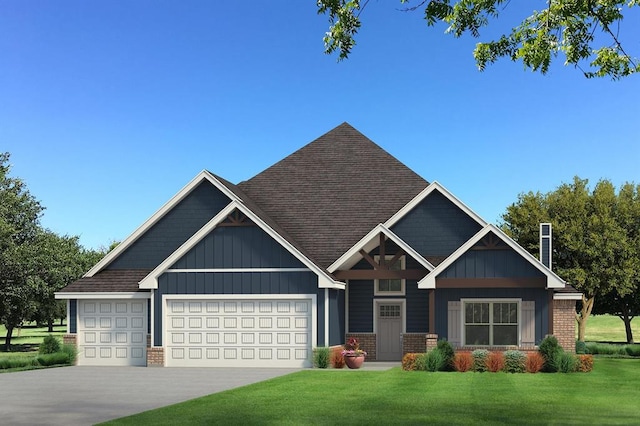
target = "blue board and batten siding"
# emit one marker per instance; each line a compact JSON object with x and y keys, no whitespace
{"x":173,"y":229}
{"x":246,"y":247}
{"x":538,"y":295}
{"x":336,"y":318}
{"x":73,"y":316}
{"x":436,"y":226}
{"x":491,"y":264}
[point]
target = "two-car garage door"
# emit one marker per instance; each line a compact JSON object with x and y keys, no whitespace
{"x":265,"y":332}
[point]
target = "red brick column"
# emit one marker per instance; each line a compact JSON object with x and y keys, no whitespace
{"x":564,"y":324}
{"x":413,"y":343}
{"x":155,"y":356}
{"x":432,"y":341}
{"x":367,"y":343}
{"x":70,"y":339}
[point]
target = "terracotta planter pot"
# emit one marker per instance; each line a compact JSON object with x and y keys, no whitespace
{"x":354,"y":361}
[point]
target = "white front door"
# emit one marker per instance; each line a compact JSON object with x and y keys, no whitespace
{"x":389,"y":323}
{"x":242,"y":332}
{"x":112,"y":332}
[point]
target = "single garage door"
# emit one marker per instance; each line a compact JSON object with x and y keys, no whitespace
{"x":238,"y":332}
{"x":112,"y":332}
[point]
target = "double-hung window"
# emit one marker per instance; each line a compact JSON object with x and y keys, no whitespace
{"x":491,"y":323}
{"x":393,"y":286}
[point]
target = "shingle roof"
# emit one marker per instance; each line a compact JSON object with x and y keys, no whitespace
{"x":113,"y":280}
{"x":330,"y":193}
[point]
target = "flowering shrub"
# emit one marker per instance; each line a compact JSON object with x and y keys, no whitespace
{"x":495,"y":362}
{"x":352,"y":348}
{"x":585,"y":363}
{"x":409,"y":361}
{"x":534,"y":362}
{"x":337,"y":360}
{"x":462,"y":361}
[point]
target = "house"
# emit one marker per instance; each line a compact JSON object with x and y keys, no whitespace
{"x":338,"y":239}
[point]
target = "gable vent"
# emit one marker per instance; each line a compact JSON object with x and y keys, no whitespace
{"x":545,"y":244}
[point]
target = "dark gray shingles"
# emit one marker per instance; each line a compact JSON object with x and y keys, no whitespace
{"x":112,"y":280}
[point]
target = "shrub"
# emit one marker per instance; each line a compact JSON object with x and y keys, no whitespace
{"x":581,"y":347}
{"x":337,"y":359}
{"x":49,"y":345}
{"x":321,"y":357}
{"x":435,"y":360}
{"x":551,"y":351}
{"x":633,"y":350}
{"x":515,"y":362}
{"x":421,"y":362}
{"x":58,"y":358}
{"x":409,"y":361}
{"x":447,"y":352}
{"x":463,"y":361}
{"x":71,"y":351}
{"x":585,"y":363}
{"x":480,"y":359}
{"x":566,"y":363}
{"x":20,"y":362}
{"x":605,"y":349}
{"x":495,"y":362}
{"x":534,"y":362}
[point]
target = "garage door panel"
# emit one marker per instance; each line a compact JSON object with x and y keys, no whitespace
{"x":244,"y":332}
{"x":112,"y":332}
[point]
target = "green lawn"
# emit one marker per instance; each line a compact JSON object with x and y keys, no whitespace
{"x":25,"y":341}
{"x":608,"y":395}
{"x":609,"y":328}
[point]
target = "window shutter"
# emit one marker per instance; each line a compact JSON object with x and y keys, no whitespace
{"x":454,"y":327}
{"x":528,"y":327}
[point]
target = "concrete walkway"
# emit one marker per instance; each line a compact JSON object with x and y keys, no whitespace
{"x":89,"y":395}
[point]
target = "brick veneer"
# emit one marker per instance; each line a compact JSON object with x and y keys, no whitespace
{"x":70,"y":339}
{"x":564,"y":323}
{"x":414,"y":343}
{"x":367,"y":343}
{"x":155,"y":356}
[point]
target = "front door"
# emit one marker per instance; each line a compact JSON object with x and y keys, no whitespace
{"x":389,"y":331}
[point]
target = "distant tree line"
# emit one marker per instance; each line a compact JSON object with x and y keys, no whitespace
{"x":34,"y":262}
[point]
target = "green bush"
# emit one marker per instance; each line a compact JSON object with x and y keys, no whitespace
{"x":58,"y":358}
{"x":633,"y":350}
{"x":566,"y":363}
{"x":21,"y":362}
{"x":551,"y":351}
{"x":581,"y":347}
{"x":421,"y":362}
{"x":515,"y":361}
{"x":71,"y":351}
{"x":595,"y":348}
{"x":435,"y":360}
{"x":480,"y":359}
{"x":49,"y":345}
{"x":448,"y":353}
{"x":321,"y":357}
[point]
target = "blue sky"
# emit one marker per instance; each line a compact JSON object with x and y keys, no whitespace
{"x":108,"y":108}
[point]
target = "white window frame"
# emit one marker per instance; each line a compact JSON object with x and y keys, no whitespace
{"x":490,"y":301}
{"x":403,"y":265}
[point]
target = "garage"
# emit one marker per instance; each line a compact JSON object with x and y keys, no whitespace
{"x":112,"y":332}
{"x":239,"y":332}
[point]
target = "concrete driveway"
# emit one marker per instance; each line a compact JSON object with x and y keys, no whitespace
{"x":88,"y":395}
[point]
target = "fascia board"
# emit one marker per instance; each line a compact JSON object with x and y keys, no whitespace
{"x":113,"y":254}
{"x":151,"y":280}
{"x":434,"y":186}
{"x":408,"y":249}
{"x":352,"y":253}
{"x":429,"y":281}
{"x":104,"y":295}
{"x":567,"y":296}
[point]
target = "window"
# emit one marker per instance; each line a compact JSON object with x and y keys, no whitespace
{"x":491,"y":323}
{"x":391,"y":286}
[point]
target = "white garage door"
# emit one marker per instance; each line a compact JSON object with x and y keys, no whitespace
{"x":112,"y":332}
{"x":238,"y":332}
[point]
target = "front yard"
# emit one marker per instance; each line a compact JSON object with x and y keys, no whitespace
{"x":608,"y":395}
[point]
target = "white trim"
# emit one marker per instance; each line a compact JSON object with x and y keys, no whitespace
{"x":369,"y":242}
{"x":151,"y":280}
{"x":104,"y":295}
{"x":326,"y":317}
{"x":403,"y":310}
{"x":186,"y":190}
{"x":434,"y":186}
{"x":238,"y":270}
{"x":376,"y":281}
{"x":429,"y":281}
{"x":490,"y":300}
{"x":238,"y":296}
{"x":567,"y":296}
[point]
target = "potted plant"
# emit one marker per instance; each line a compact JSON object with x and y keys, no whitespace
{"x":353,"y":355}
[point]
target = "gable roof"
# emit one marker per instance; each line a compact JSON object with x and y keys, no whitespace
{"x":321,"y":195}
{"x":553,"y":281}
{"x":368,"y":243}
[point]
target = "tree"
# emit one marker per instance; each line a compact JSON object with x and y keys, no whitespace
{"x":585,"y":32}
{"x":624,"y":307}
{"x":592,"y":247}
{"x":19,"y":223}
